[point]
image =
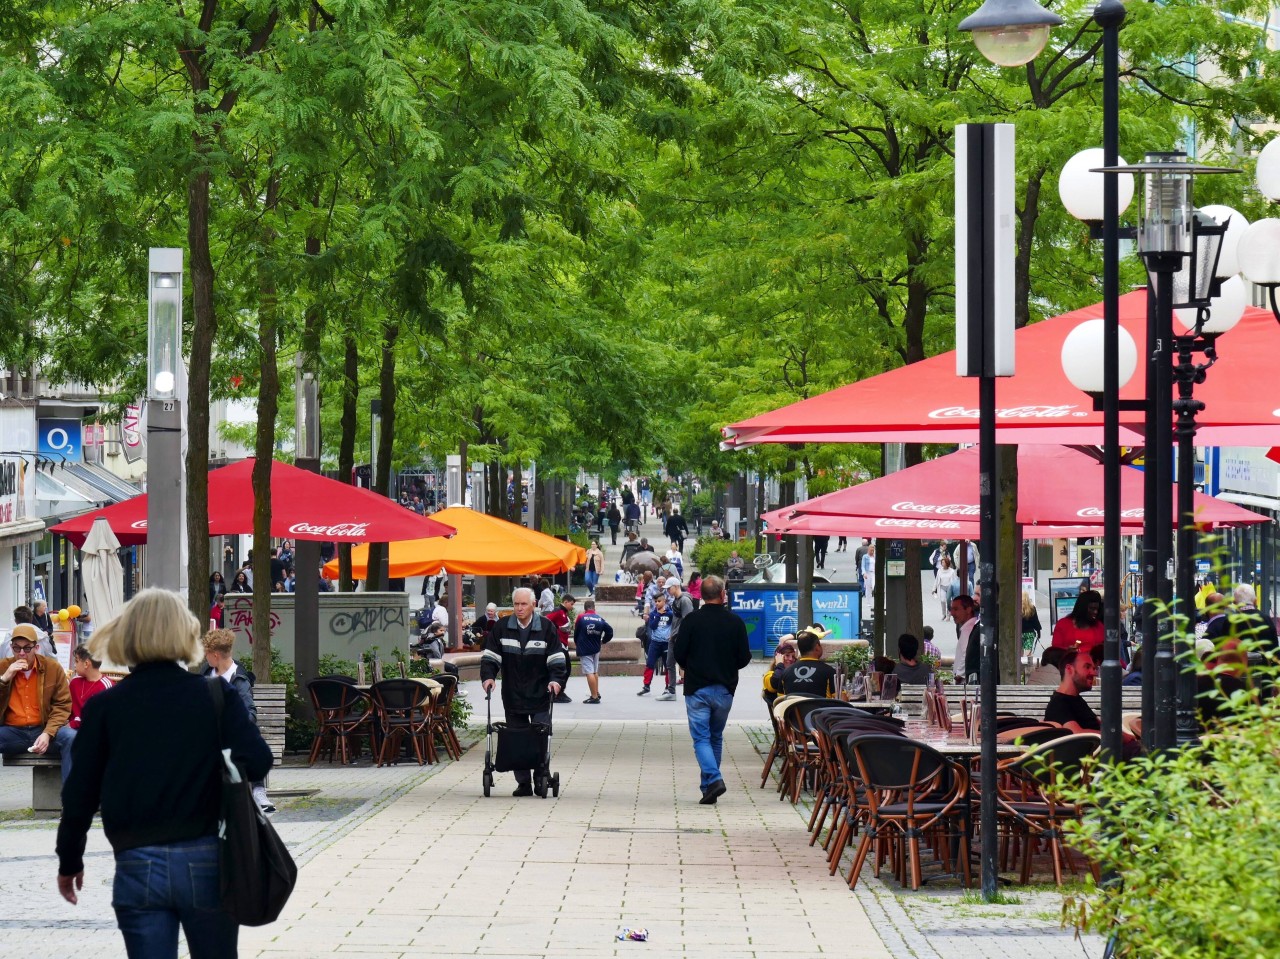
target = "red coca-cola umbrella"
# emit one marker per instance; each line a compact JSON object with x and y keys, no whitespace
{"x":926,"y":402}
{"x":304,"y":505}
{"x":1059,"y":494}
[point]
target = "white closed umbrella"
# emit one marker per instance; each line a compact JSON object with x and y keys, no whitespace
{"x":101,"y":573}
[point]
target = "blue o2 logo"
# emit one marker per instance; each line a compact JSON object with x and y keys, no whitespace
{"x":60,"y":439}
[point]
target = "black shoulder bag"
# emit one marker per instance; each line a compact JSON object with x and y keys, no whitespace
{"x":256,"y":873}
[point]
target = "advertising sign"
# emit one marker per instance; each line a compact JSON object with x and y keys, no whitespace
{"x":59,"y":439}
{"x":1063,"y":594}
{"x":770,"y":612}
{"x":132,"y":436}
{"x":10,"y":489}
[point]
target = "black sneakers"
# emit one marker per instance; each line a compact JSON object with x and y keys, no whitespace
{"x":712,"y":793}
{"x":526,"y":789}
{"x":644,"y":691}
{"x":592,"y":700}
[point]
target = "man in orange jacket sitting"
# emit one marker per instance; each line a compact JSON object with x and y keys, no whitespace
{"x":35,"y":701}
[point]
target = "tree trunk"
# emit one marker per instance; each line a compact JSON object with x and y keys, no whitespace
{"x":347,"y":443}
{"x":204,"y":329}
{"x":376,"y":578}
{"x":913,"y":455}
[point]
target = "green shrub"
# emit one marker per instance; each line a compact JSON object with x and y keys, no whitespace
{"x":854,"y":657}
{"x":1193,"y":837}
{"x":710,"y":555}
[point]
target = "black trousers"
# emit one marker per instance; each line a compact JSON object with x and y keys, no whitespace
{"x":524,"y":777}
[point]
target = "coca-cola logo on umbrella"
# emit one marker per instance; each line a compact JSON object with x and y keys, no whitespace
{"x":900,"y":523}
{"x":1096,"y":512}
{"x":946,"y":509}
{"x":1012,"y":413}
{"x":338,"y":529}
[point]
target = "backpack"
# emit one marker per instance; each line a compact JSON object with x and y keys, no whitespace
{"x":424,"y":618}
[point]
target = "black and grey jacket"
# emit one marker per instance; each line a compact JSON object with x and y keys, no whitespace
{"x":526,"y":667}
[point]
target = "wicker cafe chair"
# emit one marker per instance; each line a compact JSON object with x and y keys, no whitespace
{"x":343,"y":713}
{"x":1027,"y":806}
{"x":441,"y":723}
{"x":831,"y":792}
{"x":775,"y":748}
{"x":800,"y":758}
{"x":909,"y":791}
{"x":404,"y":709}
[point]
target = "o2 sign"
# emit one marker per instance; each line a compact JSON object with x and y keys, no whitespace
{"x":60,"y":439}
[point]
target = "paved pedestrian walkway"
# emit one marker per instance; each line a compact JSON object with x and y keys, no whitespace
{"x":404,"y":859}
{"x":626,"y":844}
{"x":408,"y":860}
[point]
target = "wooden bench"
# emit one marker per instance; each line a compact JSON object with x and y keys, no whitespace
{"x":269,"y":698}
{"x":1020,"y":700}
{"x":46,"y":782}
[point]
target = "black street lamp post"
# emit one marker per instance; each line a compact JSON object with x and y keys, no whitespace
{"x":1180,"y":247}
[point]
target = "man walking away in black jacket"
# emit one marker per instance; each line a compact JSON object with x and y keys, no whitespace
{"x":712,"y":648}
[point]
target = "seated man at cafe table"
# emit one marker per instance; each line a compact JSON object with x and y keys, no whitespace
{"x":909,"y":670}
{"x":809,"y":675}
{"x":1067,"y":706}
{"x":35,"y":701}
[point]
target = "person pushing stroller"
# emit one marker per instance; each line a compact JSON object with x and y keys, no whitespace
{"x":525,"y":649}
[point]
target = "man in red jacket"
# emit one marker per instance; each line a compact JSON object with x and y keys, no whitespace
{"x":562,"y":617}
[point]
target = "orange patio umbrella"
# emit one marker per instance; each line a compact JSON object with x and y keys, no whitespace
{"x":483,"y":546}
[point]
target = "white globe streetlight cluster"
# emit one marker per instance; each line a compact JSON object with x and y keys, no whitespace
{"x":1253,"y":251}
{"x":1259,"y":249}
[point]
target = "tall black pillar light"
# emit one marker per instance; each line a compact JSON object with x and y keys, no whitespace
{"x":1008,"y":33}
{"x":1180,"y":249}
{"x":306,"y":555}
{"x":166,"y":377}
{"x":1203,"y":327}
{"x":1109,"y":15}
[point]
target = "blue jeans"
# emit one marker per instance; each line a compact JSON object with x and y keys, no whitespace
{"x":16,"y":740}
{"x":592,"y":577}
{"x":708,"y":711}
{"x":158,"y":888}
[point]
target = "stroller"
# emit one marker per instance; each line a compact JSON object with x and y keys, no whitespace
{"x":526,"y":747}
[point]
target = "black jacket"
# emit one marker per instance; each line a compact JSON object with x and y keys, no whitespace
{"x":147,"y":755}
{"x":712,"y":647}
{"x":242,"y":681}
{"x":526,"y":667}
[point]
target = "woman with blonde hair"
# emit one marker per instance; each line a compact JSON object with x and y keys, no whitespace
{"x":148,"y":759}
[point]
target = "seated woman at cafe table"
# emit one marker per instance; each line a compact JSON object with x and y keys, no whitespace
{"x":1049,"y":672}
{"x":783,"y":656}
{"x":909,"y":670}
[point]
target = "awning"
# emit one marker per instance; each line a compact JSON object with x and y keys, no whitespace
{"x":926,"y":402}
{"x":21,"y":531}
{"x":75,"y":487}
{"x":1057,"y":488}
{"x":103,"y":480}
{"x":484,"y":546}
{"x":304,"y":505}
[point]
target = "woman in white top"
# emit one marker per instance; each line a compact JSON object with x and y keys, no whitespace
{"x":946,"y":586}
